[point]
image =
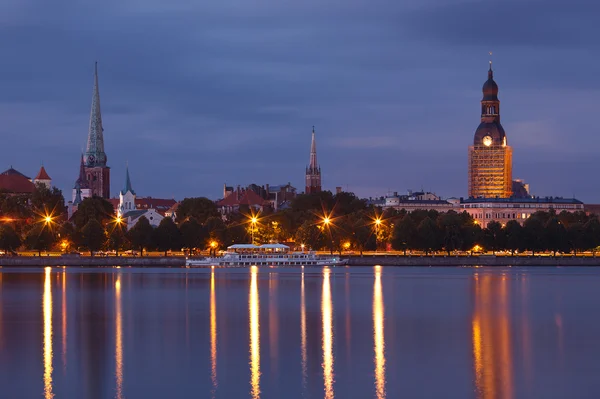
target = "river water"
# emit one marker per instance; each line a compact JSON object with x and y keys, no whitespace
{"x":359,"y":332}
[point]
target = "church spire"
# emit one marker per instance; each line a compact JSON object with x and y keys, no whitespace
{"x":128,"y":187}
{"x":313,"y":152}
{"x":313,"y":171}
{"x":94,"y":154}
{"x":81,"y":181}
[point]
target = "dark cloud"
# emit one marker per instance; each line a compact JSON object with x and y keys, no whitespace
{"x":198,"y":94}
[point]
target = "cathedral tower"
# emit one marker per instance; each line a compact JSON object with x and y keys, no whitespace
{"x":96,"y":172}
{"x":313,"y":171}
{"x":490,"y":157}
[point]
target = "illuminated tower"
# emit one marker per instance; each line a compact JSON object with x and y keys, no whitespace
{"x":313,"y":171}
{"x":490,"y":157}
{"x":96,"y":171}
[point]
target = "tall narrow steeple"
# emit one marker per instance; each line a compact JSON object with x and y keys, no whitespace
{"x":127,"y":187}
{"x":313,"y":152}
{"x":81,"y":181}
{"x":94,"y":154}
{"x":313,"y":171}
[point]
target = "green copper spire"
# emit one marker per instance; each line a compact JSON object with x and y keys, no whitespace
{"x":94,"y":154}
{"x":127,"y":183}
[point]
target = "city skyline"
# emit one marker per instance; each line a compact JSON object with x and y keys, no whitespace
{"x":383,"y":98}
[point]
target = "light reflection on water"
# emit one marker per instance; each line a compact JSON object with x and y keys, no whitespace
{"x":213,"y":334}
{"x":327,"y":314}
{"x":378,"y":335}
{"x":47,"y":306}
{"x":254,"y":307}
{"x":118,"y":339}
{"x":415,"y":333}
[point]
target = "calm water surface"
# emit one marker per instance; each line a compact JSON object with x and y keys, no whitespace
{"x":300,"y":333}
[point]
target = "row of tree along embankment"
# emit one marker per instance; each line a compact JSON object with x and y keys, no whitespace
{"x":88,"y":261}
{"x":477,"y":260}
{"x":355,"y":260}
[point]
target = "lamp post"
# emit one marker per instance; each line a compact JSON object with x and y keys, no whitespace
{"x":377,"y":223}
{"x":326,"y":222}
{"x":253,"y":221}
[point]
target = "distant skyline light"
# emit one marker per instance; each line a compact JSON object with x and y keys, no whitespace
{"x":195,"y":95}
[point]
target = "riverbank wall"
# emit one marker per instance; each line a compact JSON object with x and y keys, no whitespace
{"x":88,"y":261}
{"x":353,"y":260}
{"x":481,"y":260}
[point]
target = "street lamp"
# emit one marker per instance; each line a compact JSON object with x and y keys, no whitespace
{"x":326,"y":222}
{"x":377,"y":223}
{"x":253,"y":220}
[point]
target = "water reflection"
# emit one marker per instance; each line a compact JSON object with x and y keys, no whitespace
{"x":378,"y":335}
{"x":491,"y":335}
{"x":118,"y":339}
{"x":47,"y":310}
{"x":213,"y":333}
{"x":1,"y":306}
{"x":64,"y":320}
{"x":326,"y":310}
{"x":253,"y":306}
{"x":303,"y":331}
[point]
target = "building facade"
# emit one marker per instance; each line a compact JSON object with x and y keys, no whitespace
{"x":313,"y":171}
{"x":96,"y":172}
{"x":503,"y":210}
{"x":490,"y":157}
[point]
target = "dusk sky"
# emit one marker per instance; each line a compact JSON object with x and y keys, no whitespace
{"x":198,"y":94}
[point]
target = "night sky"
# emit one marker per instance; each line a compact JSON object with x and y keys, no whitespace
{"x":197,"y":94}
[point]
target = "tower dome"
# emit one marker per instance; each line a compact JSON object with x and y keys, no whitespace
{"x":490,"y":88}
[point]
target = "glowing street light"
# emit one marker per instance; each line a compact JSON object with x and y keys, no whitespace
{"x":253,"y":221}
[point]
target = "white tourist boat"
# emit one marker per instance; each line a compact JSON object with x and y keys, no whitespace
{"x":266,"y":255}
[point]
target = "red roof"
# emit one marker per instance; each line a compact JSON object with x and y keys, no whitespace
{"x":16,"y":184}
{"x":42,"y":175}
{"x":246,"y":197}
{"x":161,"y":205}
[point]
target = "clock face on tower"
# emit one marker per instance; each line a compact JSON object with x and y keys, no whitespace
{"x":487,"y":141}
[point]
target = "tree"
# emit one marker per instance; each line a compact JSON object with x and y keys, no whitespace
{"x":9,"y":239}
{"x":40,"y":238}
{"x":533,"y":232}
{"x":117,"y":239}
{"x":309,"y":235}
{"x":493,"y":237}
{"x":450,"y":227}
{"x":45,"y":201}
{"x":93,"y":208}
{"x":193,"y":235}
{"x":514,"y":236}
{"x":199,"y":208}
{"x":592,"y":233}
{"x":93,"y":236}
{"x":556,"y":236}
{"x":167,"y":236}
{"x":405,"y":234}
{"x":68,"y":236}
{"x":141,"y":234}
{"x":577,"y":237}
{"x":427,"y":234}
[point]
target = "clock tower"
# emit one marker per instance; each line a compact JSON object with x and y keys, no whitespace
{"x":490,"y":157}
{"x":97,"y":173}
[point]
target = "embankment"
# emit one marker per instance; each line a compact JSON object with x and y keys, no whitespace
{"x":481,"y":260}
{"x":87,"y":261}
{"x":353,"y":260}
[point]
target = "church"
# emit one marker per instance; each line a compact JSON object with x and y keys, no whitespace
{"x":490,"y":156}
{"x":94,"y":175}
